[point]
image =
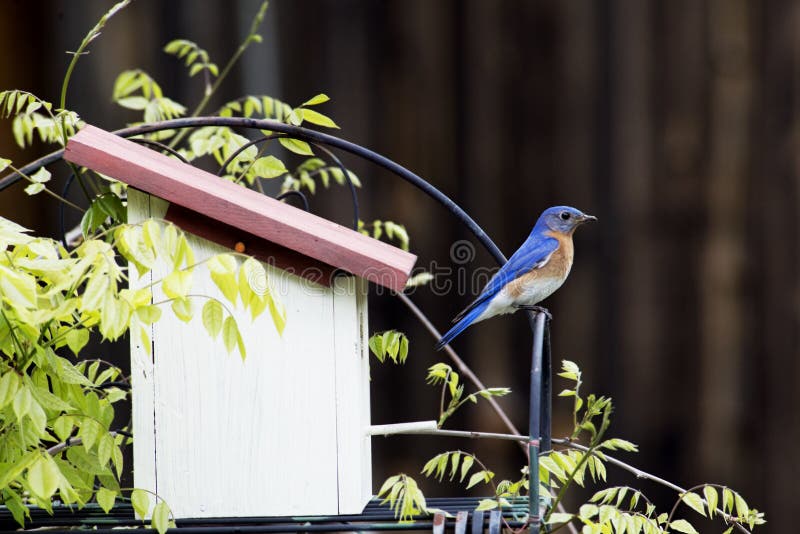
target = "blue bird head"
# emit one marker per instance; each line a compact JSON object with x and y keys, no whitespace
{"x":563,"y":219}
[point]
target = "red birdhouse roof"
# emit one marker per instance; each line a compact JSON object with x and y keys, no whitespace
{"x":208,"y":201}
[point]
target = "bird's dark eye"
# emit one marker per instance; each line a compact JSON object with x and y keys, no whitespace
{"x":564,"y":215}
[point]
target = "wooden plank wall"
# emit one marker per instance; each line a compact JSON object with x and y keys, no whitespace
{"x":280,"y":433}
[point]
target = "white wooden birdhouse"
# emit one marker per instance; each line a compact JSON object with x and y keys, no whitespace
{"x":283,"y":432}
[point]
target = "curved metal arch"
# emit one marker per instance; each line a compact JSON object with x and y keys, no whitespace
{"x":301,"y":133}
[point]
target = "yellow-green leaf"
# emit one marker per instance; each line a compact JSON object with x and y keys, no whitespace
{"x":77,"y":338}
{"x":160,"y":519}
{"x":230,"y":333}
{"x":269,"y":167}
{"x":297,"y":146}
{"x":43,"y":477}
{"x":140,"y":500}
{"x":712,"y":498}
{"x":22,"y":402}
{"x":41,"y":176}
{"x":18,"y":288}
{"x":177,"y":284}
{"x":681,"y":525}
{"x":212,"y":317}
{"x":317,"y":118}
{"x":105,"y":498}
{"x":315,"y":100}
{"x":182,"y":308}
{"x":278,"y":314}
{"x":33,"y":189}
{"x":486,"y":504}
{"x":695,"y":502}
{"x":223,"y":272}
{"x":476,"y":478}
{"x":9,"y":383}
{"x":148,"y":314}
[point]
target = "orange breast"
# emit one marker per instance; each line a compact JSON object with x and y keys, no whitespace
{"x":553,"y":273}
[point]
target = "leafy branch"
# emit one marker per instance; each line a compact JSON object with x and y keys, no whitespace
{"x":441,"y":373}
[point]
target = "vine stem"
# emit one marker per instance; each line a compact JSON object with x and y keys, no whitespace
{"x":251,"y":37}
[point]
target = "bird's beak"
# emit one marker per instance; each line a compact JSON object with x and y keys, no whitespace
{"x":586,"y":218}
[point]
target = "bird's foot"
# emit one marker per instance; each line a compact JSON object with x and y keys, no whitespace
{"x":537,"y":309}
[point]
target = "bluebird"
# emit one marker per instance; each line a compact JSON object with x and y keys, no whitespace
{"x":532,"y":273}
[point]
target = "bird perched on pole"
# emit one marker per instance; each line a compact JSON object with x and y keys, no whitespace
{"x":532,"y":274}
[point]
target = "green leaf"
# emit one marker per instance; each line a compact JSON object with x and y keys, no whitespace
{"x":712,"y":498}
{"x":9,"y":383}
{"x":681,"y":525}
{"x":318,"y":99}
{"x":18,"y":288}
{"x":160,"y":519}
{"x":486,"y":504}
{"x":140,"y":500}
{"x":33,"y":189}
{"x":105,"y":448}
{"x":4,"y":163}
{"x":558,"y":518}
{"x":727,"y":500}
{"x":278,"y":314}
{"x":387,"y":484}
{"x":230,"y":333}
{"x":63,"y":426}
{"x":44,"y":477}
{"x":212,"y":318}
{"x":376,"y":346}
{"x":269,"y":167}
{"x":223,"y":273}
{"x":134,"y":102}
{"x":177,"y":284}
{"x":297,"y":146}
{"x":742,"y":509}
{"x":22,"y":402}
{"x":41,"y":176}
{"x":148,"y":314}
{"x":105,"y":498}
{"x":76,"y":339}
{"x":466,"y":463}
{"x":476,"y":478}
{"x":182,"y":308}
{"x":317,"y":118}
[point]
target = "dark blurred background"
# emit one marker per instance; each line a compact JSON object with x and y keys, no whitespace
{"x":675,"y":122}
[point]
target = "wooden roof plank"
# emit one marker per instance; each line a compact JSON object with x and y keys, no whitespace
{"x":242,"y":208}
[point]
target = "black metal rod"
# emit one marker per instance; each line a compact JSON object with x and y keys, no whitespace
{"x":546,"y":417}
{"x":534,"y":421}
{"x":297,"y":194}
{"x":160,"y":146}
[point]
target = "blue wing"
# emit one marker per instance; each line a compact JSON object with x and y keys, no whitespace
{"x":533,"y":253}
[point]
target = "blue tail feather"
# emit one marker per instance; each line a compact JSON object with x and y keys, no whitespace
{"x":461,"y":325}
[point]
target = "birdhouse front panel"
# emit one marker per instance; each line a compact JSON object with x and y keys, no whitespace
{"x":282,"y":432}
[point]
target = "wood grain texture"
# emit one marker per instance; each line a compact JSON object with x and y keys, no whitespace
{"x":352,"y":394}
{"x":219,"y":436}
{"x":240,"y":207}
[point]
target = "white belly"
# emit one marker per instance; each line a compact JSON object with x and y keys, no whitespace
{"x":530,"y":295}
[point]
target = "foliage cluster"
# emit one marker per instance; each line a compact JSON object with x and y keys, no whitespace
{"x":610,"y":510}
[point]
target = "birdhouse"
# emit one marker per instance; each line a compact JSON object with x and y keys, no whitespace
{"x":284,"y":431}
